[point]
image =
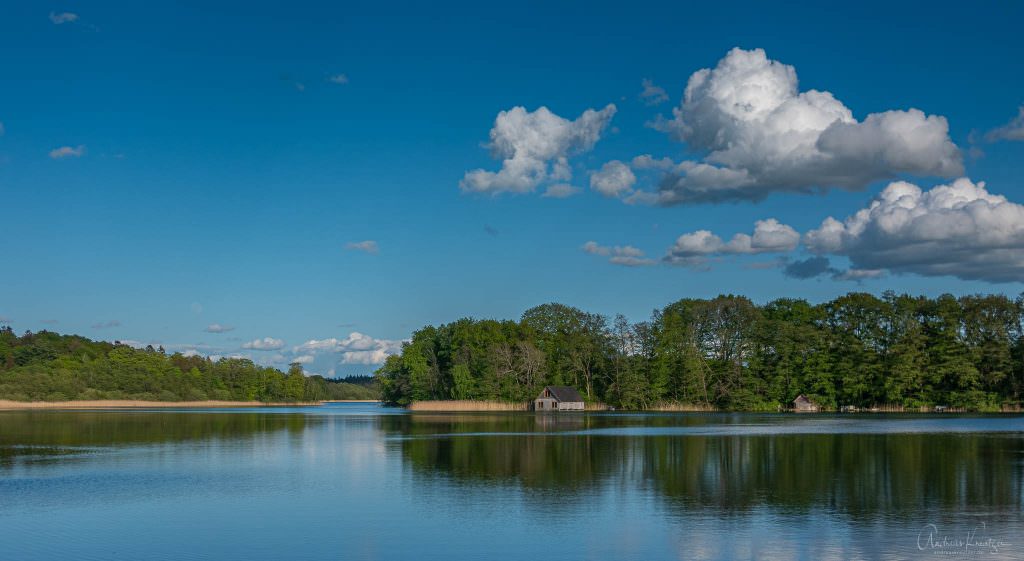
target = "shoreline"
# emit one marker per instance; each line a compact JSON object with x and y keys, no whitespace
{"x":483,"y":406}
{"x":7,"y":405}
{"x":472,"y":406}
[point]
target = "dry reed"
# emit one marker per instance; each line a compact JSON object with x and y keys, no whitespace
{"x":467,"y":405}
{"x":683,"y":407}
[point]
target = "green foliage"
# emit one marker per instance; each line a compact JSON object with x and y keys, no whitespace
{"x":46,"y":366}
{"x":726,"y":352}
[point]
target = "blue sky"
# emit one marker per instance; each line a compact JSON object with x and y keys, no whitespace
{"x":165,"y":167}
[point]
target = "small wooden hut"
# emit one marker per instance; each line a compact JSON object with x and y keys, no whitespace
{"x":558,"y":398}
{"x":802,"y":404}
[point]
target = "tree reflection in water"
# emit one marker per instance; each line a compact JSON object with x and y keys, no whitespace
{"x":860,"y":475}
{"x":44,"y":436}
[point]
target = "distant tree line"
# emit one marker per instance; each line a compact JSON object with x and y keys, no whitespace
{"x":729,"y":353}
{"x":46,"y":366}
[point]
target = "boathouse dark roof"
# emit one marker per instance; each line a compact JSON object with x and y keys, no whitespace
{"x":564,"y":393}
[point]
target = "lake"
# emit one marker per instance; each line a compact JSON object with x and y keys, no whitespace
{"x":359,"y":481}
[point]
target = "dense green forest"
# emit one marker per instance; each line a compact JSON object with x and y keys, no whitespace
{"x":729,"y":353}
{"x":46,"y":366}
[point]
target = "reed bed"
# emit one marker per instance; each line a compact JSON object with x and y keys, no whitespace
{"x":683,"y":407}
{"x":896,"y":408}
{"x":467,"y":405}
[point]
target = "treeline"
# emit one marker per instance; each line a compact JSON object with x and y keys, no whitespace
{"x":727,"y":352}
{"x":46,"y":366}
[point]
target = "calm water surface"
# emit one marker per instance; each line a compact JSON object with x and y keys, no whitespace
{"x":356,"y":481}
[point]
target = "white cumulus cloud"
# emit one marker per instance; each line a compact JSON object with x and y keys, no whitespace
{"x":534,"y":147}
{"x":356,"y":348}
{"x":770,"y":236}
{"x":264,"y":344}
{"x":959,"y":229}
{"x":762,"y":135}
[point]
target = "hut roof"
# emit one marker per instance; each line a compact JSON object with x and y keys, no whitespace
{"x":565,"y":393}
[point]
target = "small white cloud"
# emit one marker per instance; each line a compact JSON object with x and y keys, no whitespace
{"x":67,"y":152}
{"x":191,"y":352}
{"x":770,"y":236}
{"x":561,"y":191}
{"x":303,"y":359}
{"x":218,"y":328}
{"x":63,"y":17}
{"x":652,"y":94}
{"x":625,"y":255}
{"x":534,"y":148}
{"x":338,"y":79}
{"x":1014,"y":130}
{"x":367,"y":246}
{"x":264,"y":344}
{"x":614,"y":179}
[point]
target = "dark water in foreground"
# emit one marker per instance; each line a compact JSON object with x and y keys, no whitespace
{"x":354,"y":481}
